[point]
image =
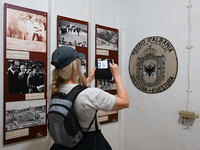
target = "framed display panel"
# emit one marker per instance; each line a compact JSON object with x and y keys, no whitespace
{"x":25,"y":78}
{"x":106,"y":47}
{"x":74,"y":33}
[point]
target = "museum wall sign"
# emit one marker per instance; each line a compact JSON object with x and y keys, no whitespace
{"x":153,"y":65}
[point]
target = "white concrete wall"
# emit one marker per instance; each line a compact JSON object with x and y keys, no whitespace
{"x":152,"y":122}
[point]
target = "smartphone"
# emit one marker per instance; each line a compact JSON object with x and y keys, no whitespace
{"x":103,"y":69}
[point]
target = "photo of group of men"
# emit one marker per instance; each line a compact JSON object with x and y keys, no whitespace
{"x":25,"y":76}
{"x":71,"y":33}
{"x":25,"y":31}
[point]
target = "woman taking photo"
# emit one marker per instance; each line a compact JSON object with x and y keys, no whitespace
{"x":66,"y":75}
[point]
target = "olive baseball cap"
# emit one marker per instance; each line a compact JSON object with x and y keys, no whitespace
{"x":64,"y":55}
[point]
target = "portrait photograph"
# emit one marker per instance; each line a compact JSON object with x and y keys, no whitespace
{"x":25,"y":76}
{"x":72,"y":34}
{"x":25,"y":31}
{"x":106,"y":39}
{"x":24,"y":114}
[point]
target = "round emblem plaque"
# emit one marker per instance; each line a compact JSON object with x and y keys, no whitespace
{"x":153,"y":65}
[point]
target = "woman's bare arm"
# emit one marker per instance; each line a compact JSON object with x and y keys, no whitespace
{"x":121,"y":99}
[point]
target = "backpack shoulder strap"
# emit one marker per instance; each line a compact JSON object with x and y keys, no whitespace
{"x":73,"y":94}
{"x":96,"y":124}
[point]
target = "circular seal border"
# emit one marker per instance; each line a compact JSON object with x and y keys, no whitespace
{"x":153,"y":65}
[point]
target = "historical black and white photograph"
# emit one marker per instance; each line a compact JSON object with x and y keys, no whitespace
{"x":25,"y":31}
{"x":25,"y":114}
{"x":71,"y":33}
{"x":106,"y":39}
{"x":25,"y":76}
{"x":106,"y":84}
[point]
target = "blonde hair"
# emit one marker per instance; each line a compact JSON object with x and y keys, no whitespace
{"x":71,"y":72}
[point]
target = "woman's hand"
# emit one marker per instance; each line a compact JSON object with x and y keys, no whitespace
{"x":114,"y":70}
{"x":90,"y":76}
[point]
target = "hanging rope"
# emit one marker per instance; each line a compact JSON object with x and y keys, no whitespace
{"x":189,"y":47}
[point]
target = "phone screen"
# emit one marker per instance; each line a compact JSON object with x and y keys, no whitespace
{"x":103,"y":64}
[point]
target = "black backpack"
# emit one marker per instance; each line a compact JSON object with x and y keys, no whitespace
{"x":63,"y":125}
